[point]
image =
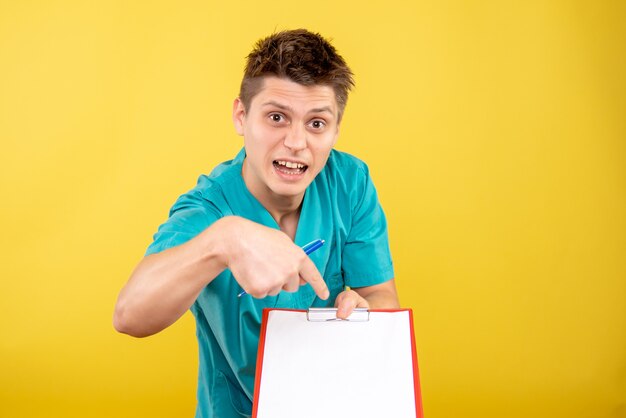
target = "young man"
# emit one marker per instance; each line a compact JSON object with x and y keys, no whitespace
{"x":243,"y":226}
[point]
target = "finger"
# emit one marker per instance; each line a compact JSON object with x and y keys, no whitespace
{"x":362,"y":303}
{"x":292,"y":285}
{"x":339,"y":298}
{"x":274,"y":291}
{"x":257,"y":294}
{"x":310,"y":274}
{"x":346,"y":304}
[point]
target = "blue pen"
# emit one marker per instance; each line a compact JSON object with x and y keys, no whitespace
{"x":312,"y":246}
{"x":308,"y":249}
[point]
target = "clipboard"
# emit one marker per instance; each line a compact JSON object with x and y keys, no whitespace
{"x":311,"y":364}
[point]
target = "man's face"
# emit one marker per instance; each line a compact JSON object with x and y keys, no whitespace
{"x":289,"y":131}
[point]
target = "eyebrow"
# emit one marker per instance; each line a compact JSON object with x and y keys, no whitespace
{"x":284,"y":107}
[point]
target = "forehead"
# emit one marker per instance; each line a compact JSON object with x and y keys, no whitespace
{"x":294,"y":95}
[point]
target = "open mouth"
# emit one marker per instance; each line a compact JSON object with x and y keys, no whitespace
{"x":290,"y":168}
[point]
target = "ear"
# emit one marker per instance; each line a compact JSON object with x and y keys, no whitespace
{"x":239,"y":115}
{"x":339,"y":120}
{"x":337,"y":131}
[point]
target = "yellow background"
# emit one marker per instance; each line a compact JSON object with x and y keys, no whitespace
{"x":495,"y":133}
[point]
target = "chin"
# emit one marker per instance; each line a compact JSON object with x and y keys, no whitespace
{"x":289,"y":192}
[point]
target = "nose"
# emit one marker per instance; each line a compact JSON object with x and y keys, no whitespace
{"x":295,"y":138}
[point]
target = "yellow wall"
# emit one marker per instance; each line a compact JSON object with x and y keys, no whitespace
{"x":495,"y":133}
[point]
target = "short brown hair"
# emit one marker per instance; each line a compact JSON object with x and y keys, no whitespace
{"x":300,"y":56}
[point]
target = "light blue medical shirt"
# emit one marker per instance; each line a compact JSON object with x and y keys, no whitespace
{"x":340,"y":206}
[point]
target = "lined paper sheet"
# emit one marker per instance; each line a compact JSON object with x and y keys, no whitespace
{"x":337,"y":368}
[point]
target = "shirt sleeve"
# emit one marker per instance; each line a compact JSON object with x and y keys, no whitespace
{"x":190,"y":215}
{"x":366,"y":259}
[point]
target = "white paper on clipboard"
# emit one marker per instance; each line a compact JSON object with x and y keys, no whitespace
{"x":364,"y":369}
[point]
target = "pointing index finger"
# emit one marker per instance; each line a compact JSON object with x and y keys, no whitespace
{"x":311,"y":275}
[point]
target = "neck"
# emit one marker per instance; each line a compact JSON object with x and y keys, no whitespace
{"x":288,"y":222}
{"x":284,"y":209}
{"x":286,"y":213}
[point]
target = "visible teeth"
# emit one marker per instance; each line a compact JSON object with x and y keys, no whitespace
{"x":289,"y":164}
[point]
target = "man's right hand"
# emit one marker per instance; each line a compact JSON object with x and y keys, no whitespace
{"x":164,"y":285}
{"x":265,"y":261}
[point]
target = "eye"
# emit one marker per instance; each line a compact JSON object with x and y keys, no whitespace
{"x":276,"y":117}
{"x":317,"y":124}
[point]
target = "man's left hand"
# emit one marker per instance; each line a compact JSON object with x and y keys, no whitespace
{"x":346,"y":302}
